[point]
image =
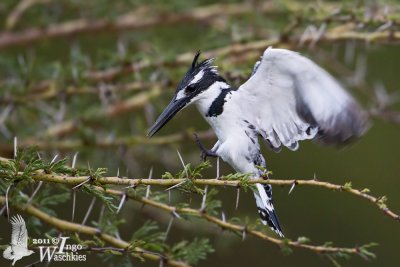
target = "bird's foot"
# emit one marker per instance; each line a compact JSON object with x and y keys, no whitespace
{"x":204,"y":151}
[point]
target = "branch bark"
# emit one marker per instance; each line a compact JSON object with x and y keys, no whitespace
{"x":378,"y":202}
{"x":136,"y":20}
{"x":64,"y":225}
{"x":231,"y":226}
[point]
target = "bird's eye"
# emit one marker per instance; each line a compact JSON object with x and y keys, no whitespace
{"x":190,"y":88}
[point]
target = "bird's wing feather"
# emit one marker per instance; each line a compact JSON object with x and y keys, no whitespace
{"x":19,"y":235}
{"x":289,"y":98}
{"x":8,"y":253}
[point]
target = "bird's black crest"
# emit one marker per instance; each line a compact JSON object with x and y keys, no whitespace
{"x":195,"y":59}
{"x":203,"y":64}
{"x":210,"y":75}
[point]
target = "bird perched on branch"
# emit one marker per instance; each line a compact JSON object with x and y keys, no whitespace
{"x":288,"y":98}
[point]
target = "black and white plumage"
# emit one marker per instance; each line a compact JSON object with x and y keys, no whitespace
{"x":287,"y":99}
{"x":19,"y":241}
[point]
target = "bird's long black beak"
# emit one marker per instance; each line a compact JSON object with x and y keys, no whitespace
{"x":169,"y":112}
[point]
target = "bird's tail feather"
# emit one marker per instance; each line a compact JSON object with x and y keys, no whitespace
{"x":8,"y":253}
{"x":266,"y":209}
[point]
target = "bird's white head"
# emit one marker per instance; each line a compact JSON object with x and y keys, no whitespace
{"x":196,"y":85}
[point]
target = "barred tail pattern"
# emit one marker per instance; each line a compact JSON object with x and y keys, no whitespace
{"x":266,"y":209}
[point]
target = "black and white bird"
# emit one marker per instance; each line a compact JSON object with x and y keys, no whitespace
{"x":19,"y":241}
{"x":288,"y":98}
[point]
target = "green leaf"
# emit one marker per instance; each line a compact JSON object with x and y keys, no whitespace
{"x":212,"y":204}
{"x":151,"y":236}
{"x":107,"y":199}
{"x":192,"y":252}
{"x":109,"y":222}
{"x":347,"y":185}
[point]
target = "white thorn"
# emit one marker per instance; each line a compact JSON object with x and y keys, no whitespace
{"x":117,"y":235}
{"x":148,"y":187}
{"x":178,"y":184}
{"x":175,"y":214}
{"x":73,"y":204}
{"x":168,"y":228}
{"x":183,"y":163}
{"x":15,"y":146}
{"x":203,"y":202}
{"x":103,"y":207}
{"x":130,"y":186}
{"x":74,"y":160}
{"x":217,"y":167}
{"x":38,"y":154}
{"x":118,"y":172}
{"x":89,"y":210}
{"x":384,"y":26}
{"x":54,"y":159}
{"x":292,"y":187}
{"x":123,"y":198}
{"x":79,"y":185}
{"x":8,"y":211}
{"x":319,"y":33}
{"x":237,"y":197}
{"x":244,"y":234}
{"x":310,"y":29}
{"x":223,"y":216}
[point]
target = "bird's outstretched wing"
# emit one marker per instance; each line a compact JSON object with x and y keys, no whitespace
{"x":289,"y":98}
{"x":19,"y":235}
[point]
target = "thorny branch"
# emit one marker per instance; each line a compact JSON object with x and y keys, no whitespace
{"x":64,"y":225}
{"x":232,"y":226}
{"x":101,"y":182}
{"x":379,"y":202}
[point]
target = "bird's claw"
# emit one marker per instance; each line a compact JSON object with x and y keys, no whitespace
{"x":204,"y":151}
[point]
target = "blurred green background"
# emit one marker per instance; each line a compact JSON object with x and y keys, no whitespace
{"x":369,"y":70}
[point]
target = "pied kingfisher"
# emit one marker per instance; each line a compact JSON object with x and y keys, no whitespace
{"x":288,"y":98}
